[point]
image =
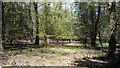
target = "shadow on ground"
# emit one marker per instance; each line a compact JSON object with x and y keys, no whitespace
{"x":20,"y":46}
{"x":97,"y":62}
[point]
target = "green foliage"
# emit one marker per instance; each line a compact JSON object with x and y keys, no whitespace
{"x":54,"y":21}
{"x":16,"y":20}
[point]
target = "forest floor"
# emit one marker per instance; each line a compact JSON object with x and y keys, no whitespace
{"x":54,"y":55}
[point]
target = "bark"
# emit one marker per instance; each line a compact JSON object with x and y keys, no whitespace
{"x":46,"y":6}
{"x":95,"y":29}
{"x":1,"y":48}
{"x":100,"y":40}
{"x":46,"y":20}
{"x":37,"y":40}
{"x":112,"y":46}
{"x":112,"y":40}
{"x":85,"y":41}
{"x":30,"y":20}
{"x":11,"y":37}
{"x":37,"y":24}
{"x":3,"y":24}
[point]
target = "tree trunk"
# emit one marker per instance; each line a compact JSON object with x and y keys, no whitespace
{"x":112,"y":46}
{"x":95,"y":27}
{"x":100,"y":41}
{"x":85,"y":41}
{"x":37,"y":24}
{"x":3,"y":24}
{"x":45,"y":41}
{"x":11,"y":37}
{"x":37,"y":40}
{"x":113,"y":27}
{"x":93,"y":41}
{"x":46,"y":21}
{"x":1,"y":48}
{"x":30,"y":20}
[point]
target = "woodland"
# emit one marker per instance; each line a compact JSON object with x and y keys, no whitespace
{"x":84,"y":34}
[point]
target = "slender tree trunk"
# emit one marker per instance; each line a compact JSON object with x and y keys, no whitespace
{"x":93,"y":44}
{"x":3,"y":24}
{"x":100,"y":40}
{"x":92,"y":37}
{"x":112,"y":47}
{"x":85,"y":41}
{"x":113,"y":27}
{"x":11,"y":37}
{"x":30,"y":20}
{"x":46,"y":21}
{"x":1,"y":48}
{"x":46,"y":6}
{"x":95,"y":29}
{"x":37,"y":24}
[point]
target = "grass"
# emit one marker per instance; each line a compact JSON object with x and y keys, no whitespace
{"x":104,"y":45}
{"x":53,"y":53}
